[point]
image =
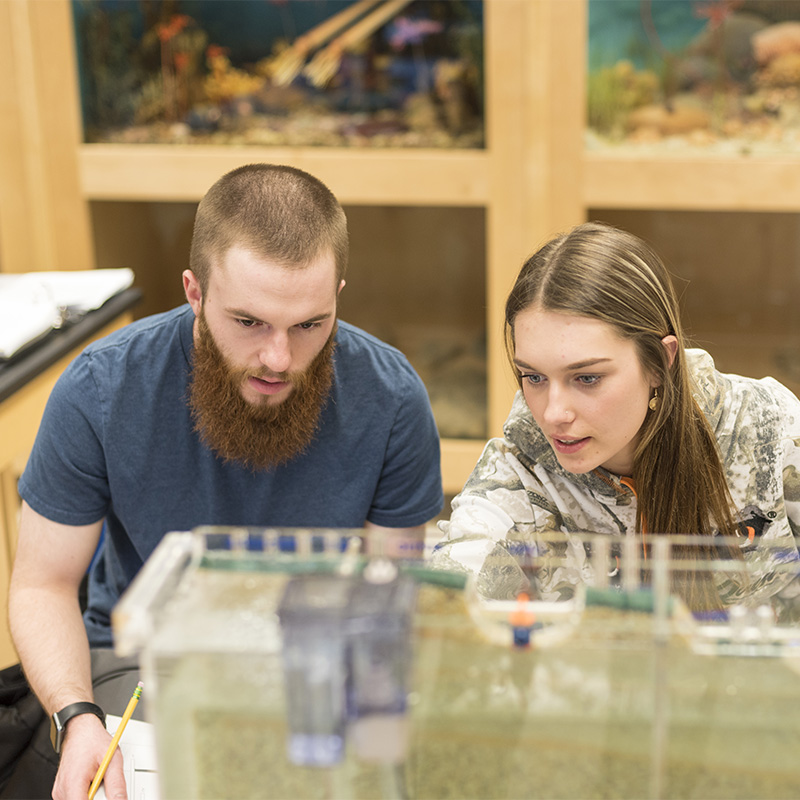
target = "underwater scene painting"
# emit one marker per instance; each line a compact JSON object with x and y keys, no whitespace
{"x":713,"y":75}
{"x":366,"y":73}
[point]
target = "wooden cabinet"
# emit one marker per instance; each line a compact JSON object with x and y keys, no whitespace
{"x":44,"y":216}
{"x":533,"y":179}
{"x":528,"y":177}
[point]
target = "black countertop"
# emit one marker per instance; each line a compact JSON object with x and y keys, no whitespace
{"x":36,"y":358}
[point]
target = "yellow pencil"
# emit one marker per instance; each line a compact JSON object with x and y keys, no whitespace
{"x":101,"y":771}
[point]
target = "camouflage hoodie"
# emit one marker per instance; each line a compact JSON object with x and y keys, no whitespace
{"x":518,"y":489}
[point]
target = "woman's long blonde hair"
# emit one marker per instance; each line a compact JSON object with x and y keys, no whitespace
{"x":608,"y":274}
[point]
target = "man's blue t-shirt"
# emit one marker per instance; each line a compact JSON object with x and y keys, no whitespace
{"x":117,"y":441}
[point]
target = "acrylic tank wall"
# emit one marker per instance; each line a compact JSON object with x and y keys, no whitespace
{"x":618,"y":690}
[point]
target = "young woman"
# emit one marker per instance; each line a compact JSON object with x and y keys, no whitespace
{"x":618,"y":428}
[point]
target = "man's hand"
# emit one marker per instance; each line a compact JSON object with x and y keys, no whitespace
{"x":50,"y":636}
{"x":85,"y":744}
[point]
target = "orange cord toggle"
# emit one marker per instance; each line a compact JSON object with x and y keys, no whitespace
{"x":522,"y":621}
{"x":630,"y":484}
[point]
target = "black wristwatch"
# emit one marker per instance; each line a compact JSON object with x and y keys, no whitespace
{"x":59,"y":720}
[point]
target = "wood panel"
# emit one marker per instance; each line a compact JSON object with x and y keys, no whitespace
{"x":535,"y":129}
{"x":44,"y":220}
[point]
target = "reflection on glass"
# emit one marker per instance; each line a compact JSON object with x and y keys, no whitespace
{"x":712,"y":75}
{"x":282,"y":72}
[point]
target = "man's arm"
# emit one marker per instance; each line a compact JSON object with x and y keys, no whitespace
{"x":400,"y":542}
{"x":50,"y":637}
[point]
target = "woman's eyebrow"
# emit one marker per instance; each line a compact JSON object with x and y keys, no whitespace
{"x":589,"y":362}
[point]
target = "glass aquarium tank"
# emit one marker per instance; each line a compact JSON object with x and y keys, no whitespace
{"x":719,"y":76}
{"x":331,"y":73}
{"x":312,"y":664}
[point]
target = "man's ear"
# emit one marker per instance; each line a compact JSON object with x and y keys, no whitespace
{"x":192,"y":290}
{"x":670,"y":343}
{"x":342,"y":284}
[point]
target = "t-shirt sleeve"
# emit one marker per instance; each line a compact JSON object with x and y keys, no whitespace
{"x":65,"y":478}
{"x":409,"y":491}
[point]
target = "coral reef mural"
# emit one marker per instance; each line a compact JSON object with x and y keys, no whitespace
{"x":399,"y":73}
{"x":716,"y":75}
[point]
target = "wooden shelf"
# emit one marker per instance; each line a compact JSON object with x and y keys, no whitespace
{"x":445,"y":178}
{"x":696,"y":182}
{"x":380,"y":176}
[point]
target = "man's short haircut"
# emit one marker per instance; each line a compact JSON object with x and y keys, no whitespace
{"x":277,"y":212}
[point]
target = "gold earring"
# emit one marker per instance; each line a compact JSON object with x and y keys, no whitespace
{"x":654,"y":400}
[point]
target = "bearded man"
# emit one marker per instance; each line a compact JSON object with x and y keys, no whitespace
{"x":250,"y":406}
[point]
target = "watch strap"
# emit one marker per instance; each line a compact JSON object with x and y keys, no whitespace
{"x":61,"y":718}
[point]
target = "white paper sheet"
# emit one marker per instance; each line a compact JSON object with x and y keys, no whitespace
{"x":32,"y":303}
{"x":138,"y":748}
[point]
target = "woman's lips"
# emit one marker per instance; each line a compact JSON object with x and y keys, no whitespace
{"x":568,"y":446}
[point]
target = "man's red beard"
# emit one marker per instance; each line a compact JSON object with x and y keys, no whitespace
{"x":259,"y":436}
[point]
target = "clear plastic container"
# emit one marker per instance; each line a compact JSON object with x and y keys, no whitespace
{"x":620,"y":691}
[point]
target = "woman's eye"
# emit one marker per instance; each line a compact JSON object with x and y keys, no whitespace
{"x":588,"y":380}
{"x":532,"y":378}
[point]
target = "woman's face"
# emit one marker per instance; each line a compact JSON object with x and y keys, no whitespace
{"x":585,"y":387}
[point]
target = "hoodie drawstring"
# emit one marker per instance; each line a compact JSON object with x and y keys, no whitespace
{"x":632,"y":486}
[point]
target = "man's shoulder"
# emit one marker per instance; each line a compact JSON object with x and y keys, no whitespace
{"x":354,"y":346}
{"x":351,"y":336}
{"x":144,"y":333}
{"x":363,"y":360}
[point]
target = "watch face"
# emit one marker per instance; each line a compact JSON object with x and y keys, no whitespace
{"x":56,"y":732}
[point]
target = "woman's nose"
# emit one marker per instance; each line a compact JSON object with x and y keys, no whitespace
{"x":558,"y":408}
